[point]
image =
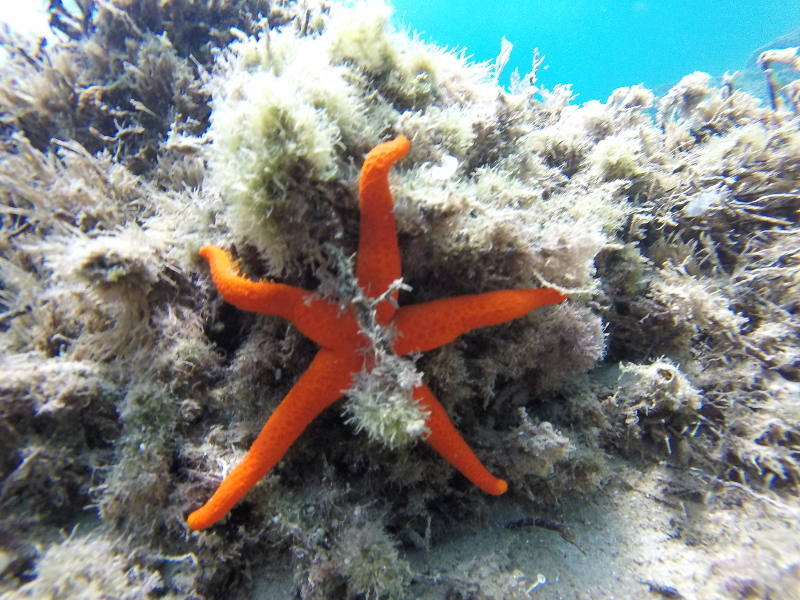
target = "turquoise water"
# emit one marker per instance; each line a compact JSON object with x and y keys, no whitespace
{"x":600,"y":45}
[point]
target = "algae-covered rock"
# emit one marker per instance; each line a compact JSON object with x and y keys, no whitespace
{"x":129,"y":389}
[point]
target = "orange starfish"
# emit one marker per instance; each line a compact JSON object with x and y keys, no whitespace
{"x":419,"y":327}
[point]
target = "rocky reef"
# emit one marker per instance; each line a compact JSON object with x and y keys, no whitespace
{"x":128,"y":388}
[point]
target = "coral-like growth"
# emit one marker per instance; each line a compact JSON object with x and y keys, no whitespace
{"x":381,"y":403}
{"x":88,"y":568}
{"x":540,"y":447}
{"x":137,"y":485}
{"x":370,"y":562}
{"x":657,"y":400}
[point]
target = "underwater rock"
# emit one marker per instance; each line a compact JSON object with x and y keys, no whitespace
{"x":128,"y":388}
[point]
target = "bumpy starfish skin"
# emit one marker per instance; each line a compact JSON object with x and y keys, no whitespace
{"x":419,"y":327}
{"x":378,"y":263}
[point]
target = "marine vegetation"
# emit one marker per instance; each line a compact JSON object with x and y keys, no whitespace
{"x":159,"y":140}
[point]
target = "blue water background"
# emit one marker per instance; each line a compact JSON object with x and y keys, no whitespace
{"x":600,"y":45}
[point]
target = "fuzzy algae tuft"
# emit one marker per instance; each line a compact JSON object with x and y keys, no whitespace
{"x":128,"y":388}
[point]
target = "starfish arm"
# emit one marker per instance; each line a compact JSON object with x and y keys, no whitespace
{"x":378,"y":253}
{"x":429,"y":325}
{"x":445,"y":439}
{"x":321,"y":385}
{"x":317,"y":319}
